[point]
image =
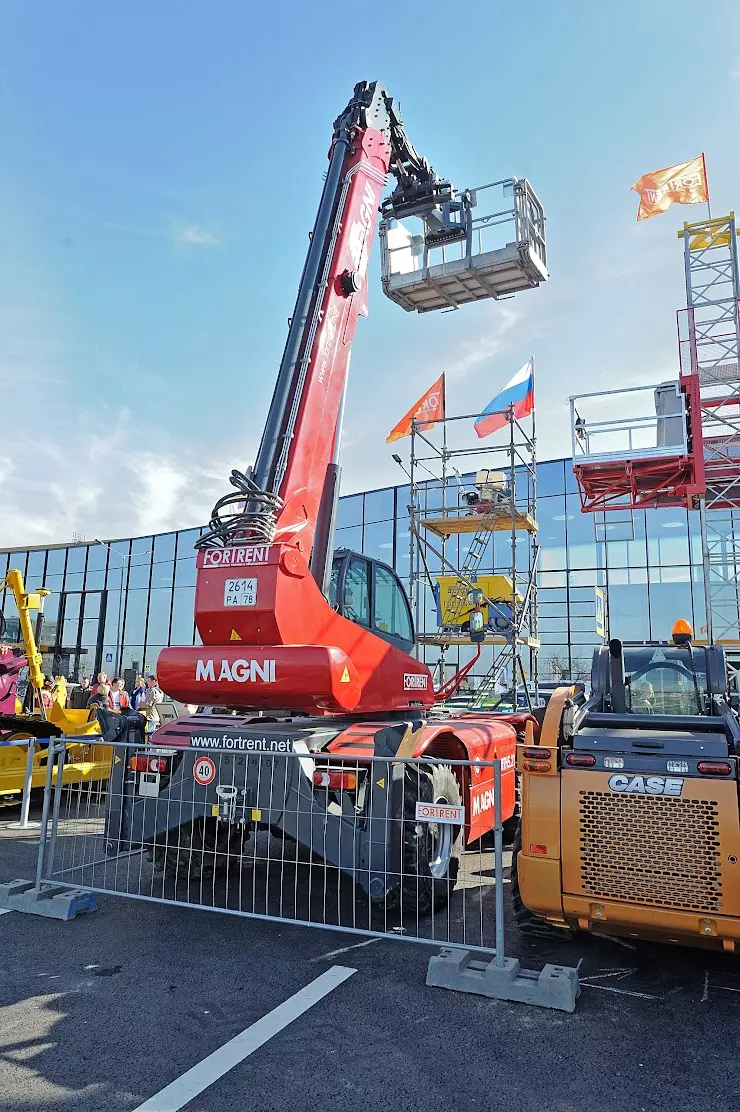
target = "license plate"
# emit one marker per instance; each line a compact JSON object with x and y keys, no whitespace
{"x":240,"y":592}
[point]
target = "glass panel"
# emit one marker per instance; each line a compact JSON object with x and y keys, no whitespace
{"x":349,"y":538}
{"x":668,"y":536}
{"x":74,"y":579}
{"x":71,"y":623}
{"x":356,"y":601}
{"x":185,"y":573}
{"x":138,"y":576}
{"x":134,"y":621}
{"x":141,"y":550}
{"x":391,"y":612}
{"x":185,"y":542}
{"x":379,"y":505}
{"x":112,"y":622}
{"x":133,"y":658}
{"x":670,"y":598}
{"x":349,"y":511}
{"x":18,"y":561}
{"x":551,"y":519}
{"x":377,"y":541}
{"x":628,"y":606}
{"x":35,"y":569}
{"x":550,"y":478}
{"x":97,"y":560}
{"x":162,"y":574}
{"x":158,"y":626}
{"x":582,"y":551}
{"x":164,"y":547}
{"x":183,"y":606}
{"x":55,"y":561}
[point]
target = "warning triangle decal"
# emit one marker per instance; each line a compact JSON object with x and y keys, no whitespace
{"x":345,"y":675}
{"x":234,"y":636}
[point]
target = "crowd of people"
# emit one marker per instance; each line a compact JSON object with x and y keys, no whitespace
{"x":145,"y":695}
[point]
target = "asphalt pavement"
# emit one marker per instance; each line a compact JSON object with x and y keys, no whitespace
{"x":103,"y":1013}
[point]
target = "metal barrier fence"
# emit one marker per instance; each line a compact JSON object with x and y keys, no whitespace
{"x":374,"y":847}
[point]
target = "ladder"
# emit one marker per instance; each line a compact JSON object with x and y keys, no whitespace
{"x":468,"y":573}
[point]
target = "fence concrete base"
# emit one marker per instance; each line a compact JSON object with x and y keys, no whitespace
{"x":555,"y":987}
{"x":51,"y":901}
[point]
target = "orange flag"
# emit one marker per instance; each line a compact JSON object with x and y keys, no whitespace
{"x":430,"y":408}
{"x":685,"y":184}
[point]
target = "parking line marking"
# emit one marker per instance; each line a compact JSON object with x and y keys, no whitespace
{"x":190,"y":1084}
{"x":345,"y":950}
{"x":603,"y":988}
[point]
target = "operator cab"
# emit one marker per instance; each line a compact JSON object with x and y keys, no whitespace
{"x":370,"y":594}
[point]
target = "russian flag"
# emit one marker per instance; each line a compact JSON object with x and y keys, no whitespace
{"x":518,"y":392}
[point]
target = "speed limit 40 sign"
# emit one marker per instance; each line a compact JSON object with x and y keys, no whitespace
{"x":204,"y":771}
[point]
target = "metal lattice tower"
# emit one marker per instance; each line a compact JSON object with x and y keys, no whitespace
{"x":709,"y":343}
{"x":513,"y":671}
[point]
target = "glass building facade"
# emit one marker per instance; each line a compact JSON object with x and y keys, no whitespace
{"x":115,"y":605}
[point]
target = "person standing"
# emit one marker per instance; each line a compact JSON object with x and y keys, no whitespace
{"x":80,"y":694}
{"x":148,"y":706}
{"x":139,"y":692}
{"x":118,"y":695}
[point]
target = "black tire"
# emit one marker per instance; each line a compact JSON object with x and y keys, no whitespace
{"x":419,"y":891}
{"x":198,"y":850}
{"x":528,"y":922}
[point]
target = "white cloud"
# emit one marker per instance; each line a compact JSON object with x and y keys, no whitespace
{"x":475,"y":353}
{"x":194,"y":235}
{"x":109,"y":484}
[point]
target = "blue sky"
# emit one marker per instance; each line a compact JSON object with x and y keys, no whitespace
{"x":161,"y":169}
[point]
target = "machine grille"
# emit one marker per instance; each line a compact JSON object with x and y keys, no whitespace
{"x":647,"y":849}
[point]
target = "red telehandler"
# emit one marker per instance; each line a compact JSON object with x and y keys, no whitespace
{"x":286,"y":625}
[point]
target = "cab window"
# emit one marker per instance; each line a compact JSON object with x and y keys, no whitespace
{"x":391,"y":612}
{"x":356,"y":603}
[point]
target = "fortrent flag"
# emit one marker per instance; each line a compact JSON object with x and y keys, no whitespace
{"x":429,"y":408}
{"x":685,"y":184}
{"x":518,"y":393}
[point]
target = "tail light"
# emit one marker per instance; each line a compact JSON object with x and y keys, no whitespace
{"x":334,"y":779}
{"x":580,"y":760}
{"x":142,"y":762}
{"x":537,"y":848}
{"x":714,"y":768}
{"x":537,"y":766}
{"x":535,"y":753}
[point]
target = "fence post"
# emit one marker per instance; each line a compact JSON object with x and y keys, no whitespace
{"x":498,"y":835}
{"x":24,"y":824}
{"x":555,"y":986}
{"x":50,"y":754}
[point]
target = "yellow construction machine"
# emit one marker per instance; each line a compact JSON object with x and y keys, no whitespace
{"x":85,"y":762}
{"x":630,"y":822}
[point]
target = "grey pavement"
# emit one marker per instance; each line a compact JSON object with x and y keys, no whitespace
{"x":103,"y":1012}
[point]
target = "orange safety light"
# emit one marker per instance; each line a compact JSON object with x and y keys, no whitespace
{"x":682,"y":633}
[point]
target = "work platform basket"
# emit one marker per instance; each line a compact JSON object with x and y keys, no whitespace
{"x":498,"y":251}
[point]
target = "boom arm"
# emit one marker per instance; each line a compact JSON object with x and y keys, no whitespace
{"x":303,"y":424}
{"x":270,"y":637}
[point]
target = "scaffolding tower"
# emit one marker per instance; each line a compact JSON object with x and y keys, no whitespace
{"x":678,"y":443}
{"x":499,"y":500}
{"x":709,"y":346}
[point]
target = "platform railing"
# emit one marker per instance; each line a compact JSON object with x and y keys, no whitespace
{"x":513,"y":217}
{"x":626,"y":436}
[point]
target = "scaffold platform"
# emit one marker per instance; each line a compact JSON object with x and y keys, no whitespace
{"x":493,"y":522}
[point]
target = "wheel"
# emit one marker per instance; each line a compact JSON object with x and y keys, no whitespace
{"x":527,"y":921}
{"x":198,"y":850}
{"x":430,"y":851}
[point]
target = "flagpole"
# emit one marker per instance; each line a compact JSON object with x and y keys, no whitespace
{"x":706,"y":179}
